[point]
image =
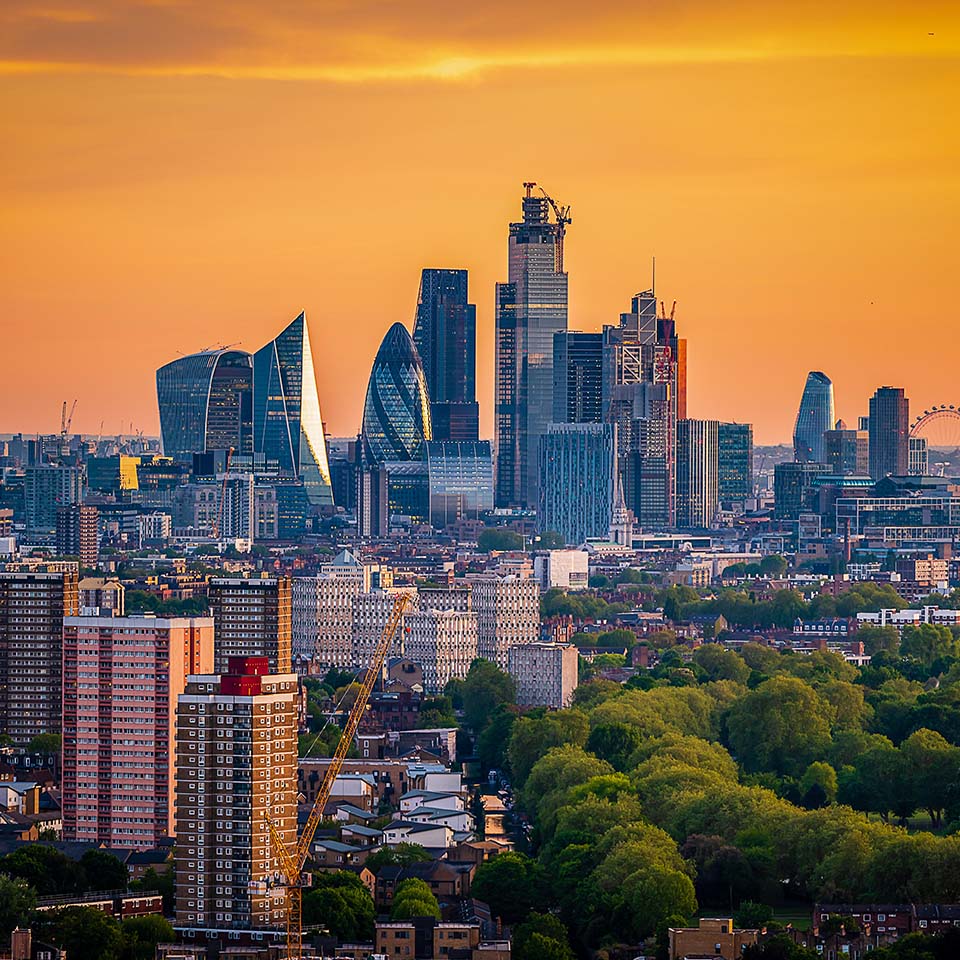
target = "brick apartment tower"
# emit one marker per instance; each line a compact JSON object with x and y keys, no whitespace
{"x":236,"y":761}
{"x":32,"y":607}
{"x":252,"y":618}
{"x":78,"y":533}
{"x":121,"y":679}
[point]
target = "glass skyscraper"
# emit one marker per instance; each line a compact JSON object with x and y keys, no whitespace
{"x":461,"y":480}
{"x":697,"y":472}
{"x":287,"y":425}
{"x":815,"y":416}
{"x":644,"y":393}
{"x":889,"y":433}
{"x":577,"y":377}
{"x":531,"y":307}
{"x":445,"y":333}
{"x":735,"y":460}
{"x":205,"y":402}
{"x":577,"y":480}
{"x":396,"y":414}
{"x":393,"y":480}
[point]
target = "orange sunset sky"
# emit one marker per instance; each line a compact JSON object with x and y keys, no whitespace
{"x":175,"y":175}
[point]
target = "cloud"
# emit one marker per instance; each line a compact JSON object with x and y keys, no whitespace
{"x":378,"y":40}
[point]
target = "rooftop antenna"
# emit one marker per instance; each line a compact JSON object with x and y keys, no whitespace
{"x":653,"y":280}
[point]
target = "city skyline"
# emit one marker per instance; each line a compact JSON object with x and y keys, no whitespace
{"x":179,"y":226}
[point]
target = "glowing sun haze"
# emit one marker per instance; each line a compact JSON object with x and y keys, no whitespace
{"x":179,"y":174}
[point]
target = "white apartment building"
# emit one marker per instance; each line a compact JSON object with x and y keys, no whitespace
{"x":508,"y":614}
{"x":154,"y":526}
{"x":371,"y":613}
{"x":443,"y":643}
{"x":545,"y":673}
{"x":323,"y":608}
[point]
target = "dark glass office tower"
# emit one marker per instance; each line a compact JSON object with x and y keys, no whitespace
{"x":445,"y":333}
{"x":205,"y":402}
{"x":577,"y":377}
{"x":531,"y":307}
{"x":697,"y":472}
{"x":287,"y":425}
{"x":815,"y":416}
{"x":735,"y":462}
{"x":889,"y":433}
{"x":847,"y":452}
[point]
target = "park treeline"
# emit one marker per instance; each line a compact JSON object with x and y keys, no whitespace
{"x":753,"y":776}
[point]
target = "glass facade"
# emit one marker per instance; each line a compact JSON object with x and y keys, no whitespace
{"x":577,"y":377}
{"x":889,"y":433}
{"x":461,"y":481}
{"x":735,"y":459}
{"x":205,"y":403}
{"x":396,"y":414}
{"x":644,"y":391}
{"x":445,"y":334}
{"x":847,"y":452}
{"x":531,"y":307}
{"x":697,"y":472}
{"x":814,"y":418}
{"x":793,"y":487}
{"x":287,"y":425}
{"x":577,"y":463}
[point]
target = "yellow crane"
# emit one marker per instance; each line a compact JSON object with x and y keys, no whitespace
{"x":292,"y":862}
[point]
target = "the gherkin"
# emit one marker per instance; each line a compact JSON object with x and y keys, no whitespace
{"x":396,"y":414}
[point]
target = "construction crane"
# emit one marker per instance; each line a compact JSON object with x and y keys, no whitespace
{"x":663,"y":310}
{"x":223,"y":496}
{"x":292,"y":862}
{"x":563,"y":218}
{"x":65,"y":422}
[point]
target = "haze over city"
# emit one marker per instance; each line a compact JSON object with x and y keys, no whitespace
{"x":479,"y":481}
{"x":181,"y":175}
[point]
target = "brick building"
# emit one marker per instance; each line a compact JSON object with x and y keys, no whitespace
{"x":121,"y":679}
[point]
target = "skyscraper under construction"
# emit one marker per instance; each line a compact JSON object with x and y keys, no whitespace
{"x":530,"y":308}
{"x":644,"y":394}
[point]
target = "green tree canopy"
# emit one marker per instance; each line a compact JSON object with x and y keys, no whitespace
{"x":339,"y":901}
{"x":485,"y":688}
{"x":614,"y":742}
{"x":142,"y":934}
{"x":497,"y":538}
{"x":532,"y":738}
{"x":17,"y":901}
{"x":718,"y":663}
{"x":45,"y":743}
{"x":103,"y":871}
{"x":414,"y":898}
{"x":781,"y":726}
{"x":512,"y":884}
{"x":541,"y":936}
{"x":399,"y":855}
{"x":773,"y":565}
{"x":84,"y":932}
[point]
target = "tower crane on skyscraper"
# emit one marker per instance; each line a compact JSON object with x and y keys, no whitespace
{"x":563,"y":218}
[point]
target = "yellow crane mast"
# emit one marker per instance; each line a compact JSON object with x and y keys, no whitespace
{"x":292,"y":862}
